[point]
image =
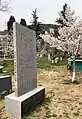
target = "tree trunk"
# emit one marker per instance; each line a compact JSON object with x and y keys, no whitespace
{"x":4,"y":57}
{"x":73,"y":77}
{"x":61,"y":59}
{"x":49,"y":57}
{"x":52,"y":61}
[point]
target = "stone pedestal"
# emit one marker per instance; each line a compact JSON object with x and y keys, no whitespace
{"x":18,"y":106}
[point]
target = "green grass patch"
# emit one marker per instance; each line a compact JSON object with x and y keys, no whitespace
{"x":62,"y":63}
{"x":76,"y":113}
{"x":4,"y":118}
{"x":1,"y":97}
{"x":8,"y":67}
{"x":43,"y":63}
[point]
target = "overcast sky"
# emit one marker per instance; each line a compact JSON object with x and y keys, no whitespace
{"x":47,"y":10}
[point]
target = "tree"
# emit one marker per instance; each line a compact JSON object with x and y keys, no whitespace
{"x":71,"y":41}
{"x":51,"y":48}
{"x":35,"y":23}
{"x":23,"y":22}
{"x":4,"y":5}
{"x":66,"y":16}
{"x":10,"y":22}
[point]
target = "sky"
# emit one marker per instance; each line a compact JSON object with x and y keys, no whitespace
{"x":47,"y":10}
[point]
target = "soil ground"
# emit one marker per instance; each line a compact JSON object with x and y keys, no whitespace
{"x":63,"y":99}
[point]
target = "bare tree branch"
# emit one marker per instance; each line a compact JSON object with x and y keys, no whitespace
{"x":5,"y":5}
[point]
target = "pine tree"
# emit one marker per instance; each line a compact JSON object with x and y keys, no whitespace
{"x":23,"y":22}
{"x":10,"y":22}
{"x":35,"y":23}
{"x":66,"y":17}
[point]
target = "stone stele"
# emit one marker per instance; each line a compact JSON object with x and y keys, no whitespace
{"x":27,"y":95}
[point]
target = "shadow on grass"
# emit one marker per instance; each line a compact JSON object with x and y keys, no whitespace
{"x":3,"y":117}
{"x":46,"y":101}
{"x":69,"y":82}
{"x":5,"y":93}
{"x":35,"y":111}
{"x":1,"y":97}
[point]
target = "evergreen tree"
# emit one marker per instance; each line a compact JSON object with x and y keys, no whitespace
{"x":23,"y":22}
{"x":10,"y":22}
{"x":66,"y":17}
{"x":35,"y":23}
{"x":35,"y":18}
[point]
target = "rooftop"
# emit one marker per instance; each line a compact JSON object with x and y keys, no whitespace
{"x":3,"y":32}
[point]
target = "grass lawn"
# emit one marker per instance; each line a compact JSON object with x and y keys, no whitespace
{"x":43,"y":63}
{"x":8,"y":67}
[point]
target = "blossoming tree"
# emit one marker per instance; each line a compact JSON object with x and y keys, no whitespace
{"x":71,"y":38}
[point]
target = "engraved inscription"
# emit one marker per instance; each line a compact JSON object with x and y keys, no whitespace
{"x":24,"y":59}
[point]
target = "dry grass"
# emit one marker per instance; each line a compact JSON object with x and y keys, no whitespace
{"x":63,"y":99}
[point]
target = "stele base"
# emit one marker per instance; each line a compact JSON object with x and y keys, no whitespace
{"x":18,"y":106}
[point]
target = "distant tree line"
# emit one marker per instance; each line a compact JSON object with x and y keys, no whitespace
{"x":66,"y":18}
{"x":34,"y":26}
